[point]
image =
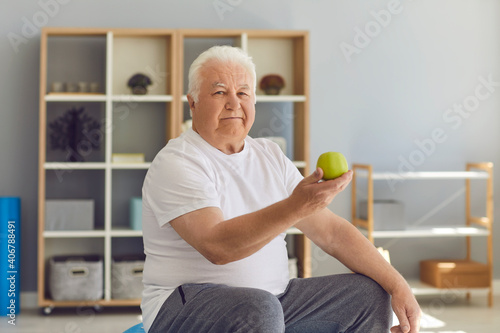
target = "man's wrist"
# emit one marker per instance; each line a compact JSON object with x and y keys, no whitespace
{"x":399,"y":285}
{"x":294,"y":208}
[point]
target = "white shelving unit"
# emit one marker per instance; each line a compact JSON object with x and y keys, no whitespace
{"x":139,"y":124}
{"x":472,"y":226}
{"x":120,"y":53}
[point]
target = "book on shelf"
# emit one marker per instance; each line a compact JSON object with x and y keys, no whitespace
{"x":127,"y":158}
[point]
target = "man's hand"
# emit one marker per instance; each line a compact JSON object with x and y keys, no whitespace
{"x":311,"y":195}
{"x":408,"y":312}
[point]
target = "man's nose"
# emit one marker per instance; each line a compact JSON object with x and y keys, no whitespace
{"x":232,"y":102}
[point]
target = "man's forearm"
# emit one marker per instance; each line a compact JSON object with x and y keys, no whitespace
{"x":246,"y":234}
{"x":249,"y":233}
{"x":223,"y":241}
{"x":358,"y":254}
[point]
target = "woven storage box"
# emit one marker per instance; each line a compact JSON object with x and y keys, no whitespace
{"x":76,"y":278}
{"x":454,"y":274}
{"x":126,"y":276}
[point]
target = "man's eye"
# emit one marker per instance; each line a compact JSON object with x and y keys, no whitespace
{"x":218,"y":93}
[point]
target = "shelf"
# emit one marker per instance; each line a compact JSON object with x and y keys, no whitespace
{"x":280,"y":98}
{"x":129,"y":166}
{"x":426,"y":175}
{"x":125,"y":233}
{"x":142,"y":98}
{"x":94,"y":233}
{"x":260,"y":48}
{"x":72,"y":59}
{"x":422,"y":289}
{"x":300,"y":164}
{"x":74,"y":97}
{"x":457,"y":231}
{"x":73,"y":233}
{"x":93,"y":166}
{"x":139,"y":128}
{"x":149,"y":55}
{"x":47,"y":302}
{"x":70,"y":97}
{"x":74,"y":165}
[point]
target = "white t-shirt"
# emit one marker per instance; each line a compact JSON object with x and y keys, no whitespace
{"x":189,"y":174}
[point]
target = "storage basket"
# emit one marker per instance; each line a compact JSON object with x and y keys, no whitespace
{"x":76,"y":278}
{"x":126,"y":276}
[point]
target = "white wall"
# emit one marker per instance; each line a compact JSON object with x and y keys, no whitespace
{"x":376,"y":105}
{"x":373,"y":106}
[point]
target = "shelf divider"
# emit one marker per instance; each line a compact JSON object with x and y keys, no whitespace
{"x":108,"y":171}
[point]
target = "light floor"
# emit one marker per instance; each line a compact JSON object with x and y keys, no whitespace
{"x":446,"y":313}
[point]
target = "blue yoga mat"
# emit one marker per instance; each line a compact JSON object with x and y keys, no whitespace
{"x":10,"y":246}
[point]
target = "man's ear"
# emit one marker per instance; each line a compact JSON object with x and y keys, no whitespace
{"x":192,"y":104}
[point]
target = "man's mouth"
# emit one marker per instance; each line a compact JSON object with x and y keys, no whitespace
{"x":232,"y":118}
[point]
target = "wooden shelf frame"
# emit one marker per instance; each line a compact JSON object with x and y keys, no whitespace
{"x":483,"y":221}
{"x":473,"y":226}
{"x":174,"y":101}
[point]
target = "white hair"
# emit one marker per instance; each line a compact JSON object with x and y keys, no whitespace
{"x":224,"y":54}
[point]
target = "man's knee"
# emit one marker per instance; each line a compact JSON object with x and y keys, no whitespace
{"x":373,"y":288}
{"x":373,"y":294}
{"x":256,"y":310}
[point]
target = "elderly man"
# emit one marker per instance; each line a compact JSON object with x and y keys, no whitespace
{"x":216,"y":206}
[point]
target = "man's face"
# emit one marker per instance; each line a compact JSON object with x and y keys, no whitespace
{"x":225,"y":110}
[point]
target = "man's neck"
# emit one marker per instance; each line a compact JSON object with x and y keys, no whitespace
{"x":227,"y":147}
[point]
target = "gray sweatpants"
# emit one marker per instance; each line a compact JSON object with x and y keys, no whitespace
{"x":334,"y":303}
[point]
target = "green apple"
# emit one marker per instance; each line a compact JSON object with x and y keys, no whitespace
{"x":333,"y":164}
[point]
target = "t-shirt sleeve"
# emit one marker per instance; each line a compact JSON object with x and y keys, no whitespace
{"x":178,"y":184}
{"x":291,"y":175}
